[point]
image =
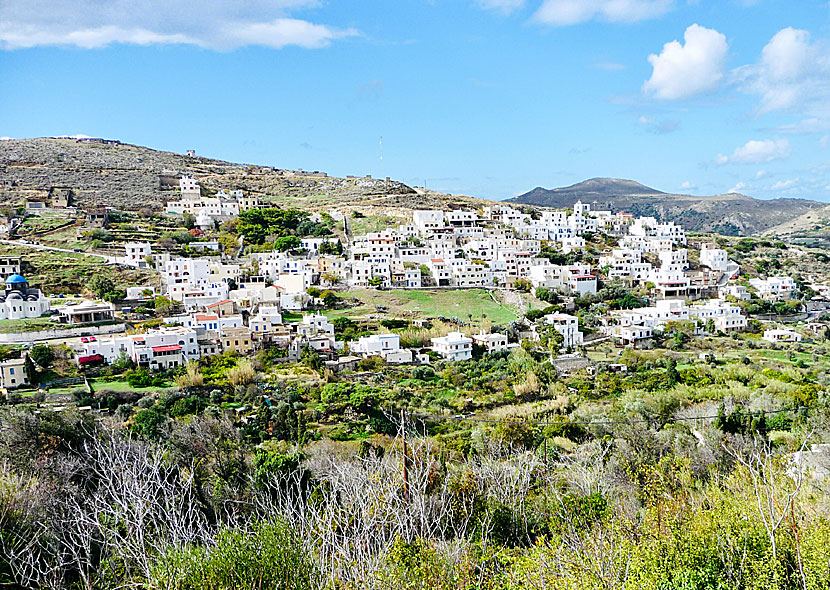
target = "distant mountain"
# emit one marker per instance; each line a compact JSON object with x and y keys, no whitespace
{"x":730,"y":214}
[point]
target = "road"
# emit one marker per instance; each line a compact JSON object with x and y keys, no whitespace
{"x":35,"y":246}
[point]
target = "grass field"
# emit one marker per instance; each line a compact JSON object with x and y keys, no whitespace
{"x":417,"y":303}
{"x":29,"y":325}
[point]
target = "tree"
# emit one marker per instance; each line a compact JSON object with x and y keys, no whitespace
{"x":188,"y":220}
{"x":104,"y":288}
{"x":672,"y":376}
{"x":329,"y":278}
{"x":375,"y":281}
{"x":331,"y":248}
{"x":330,"y":298}
{"x":163,"y":304}
{"x":775,"y":485}
{"x":43,"y":355}
{"x":31,"y":372}
{"x":100,"y":285}
{"x":523,"y":285}
{"x":257,"y":224}
{"x":555,"y":342}
{"x":286,"y":243}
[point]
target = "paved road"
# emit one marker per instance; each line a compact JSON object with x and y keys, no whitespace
{"x":35,"y":246}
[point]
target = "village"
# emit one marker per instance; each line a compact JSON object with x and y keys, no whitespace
{"x":242,"y":299}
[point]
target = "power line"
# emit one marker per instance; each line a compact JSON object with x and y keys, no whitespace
{"x":471,"y":418}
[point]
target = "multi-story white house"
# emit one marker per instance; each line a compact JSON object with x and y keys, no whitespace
{"x":737,"y":291}
{"x":137,"y":254}
{"x":455,"y":346}
{"x":494,"y":342}
{"x":314,"y":323}
{"x":568,"y":326}
{"x":163,"y":348}
{"x":387,"y":346}
{"x":427,"y":221}
{"x":726,"y":316}
{"x":774,"y":288}
{"x":714,"y":257}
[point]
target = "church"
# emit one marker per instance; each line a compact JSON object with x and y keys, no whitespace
{"x":20,"y":301}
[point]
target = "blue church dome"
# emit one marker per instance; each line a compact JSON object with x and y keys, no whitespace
{"x":15,"y":280}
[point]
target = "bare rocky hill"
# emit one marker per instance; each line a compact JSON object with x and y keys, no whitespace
{"x":731,"y":214}
{"x":124,"y":176}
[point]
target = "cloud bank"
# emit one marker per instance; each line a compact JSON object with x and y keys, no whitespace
{"x":211,"y":24}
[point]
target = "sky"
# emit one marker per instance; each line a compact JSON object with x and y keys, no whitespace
{"x":489,"y":98}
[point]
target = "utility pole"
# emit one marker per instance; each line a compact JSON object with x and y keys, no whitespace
{"x":405,"y":467}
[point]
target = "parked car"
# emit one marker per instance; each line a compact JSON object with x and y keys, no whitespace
{"x":84,"y":339}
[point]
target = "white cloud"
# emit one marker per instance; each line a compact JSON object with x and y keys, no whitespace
{"x":570,"y":12}
{"x":737,"y":188}
{"x":688,"y":186}
{"x":824,"y":141}
{"x":793,"y":74}
{"x":214,"y":24}
{"x":503,"y":6}
{"x":756,"y":151}
{"x":782,"y":184}
{"x":681,"y":71}
{"x":760,"y":174}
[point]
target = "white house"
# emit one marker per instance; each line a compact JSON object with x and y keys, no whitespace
{"x":455,"y":346}
{"x":726,"y":316}
{"x":163,"y":348}
{"x":387,"y":346}
{"x":137,"y":254}
{"x":494,"y":342}
{"x":713,"y":257}
{"x":774,"y":288}
{"x":782,"y":335}
{"x":568,"y":326}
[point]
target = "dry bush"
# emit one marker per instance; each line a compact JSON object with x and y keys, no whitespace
{"x":529,"y":385}
{"x":192,"y":376}
{"x":242,"y":374}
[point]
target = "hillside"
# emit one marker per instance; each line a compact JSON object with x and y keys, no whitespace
{"x":132,"y":177}
{"x":731,"y":214}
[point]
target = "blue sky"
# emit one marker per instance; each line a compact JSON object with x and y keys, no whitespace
{"x":483,"y":97}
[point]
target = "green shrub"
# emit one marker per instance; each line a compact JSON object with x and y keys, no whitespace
{"x":270,"y":557}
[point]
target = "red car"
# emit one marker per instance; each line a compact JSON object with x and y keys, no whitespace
{"x":84,"y":339}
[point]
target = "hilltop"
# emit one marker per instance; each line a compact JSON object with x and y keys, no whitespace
{"x":731,"y":214}
{"x":131,"y":177}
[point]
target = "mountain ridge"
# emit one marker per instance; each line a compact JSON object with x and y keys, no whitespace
{"x":729,"y":213}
